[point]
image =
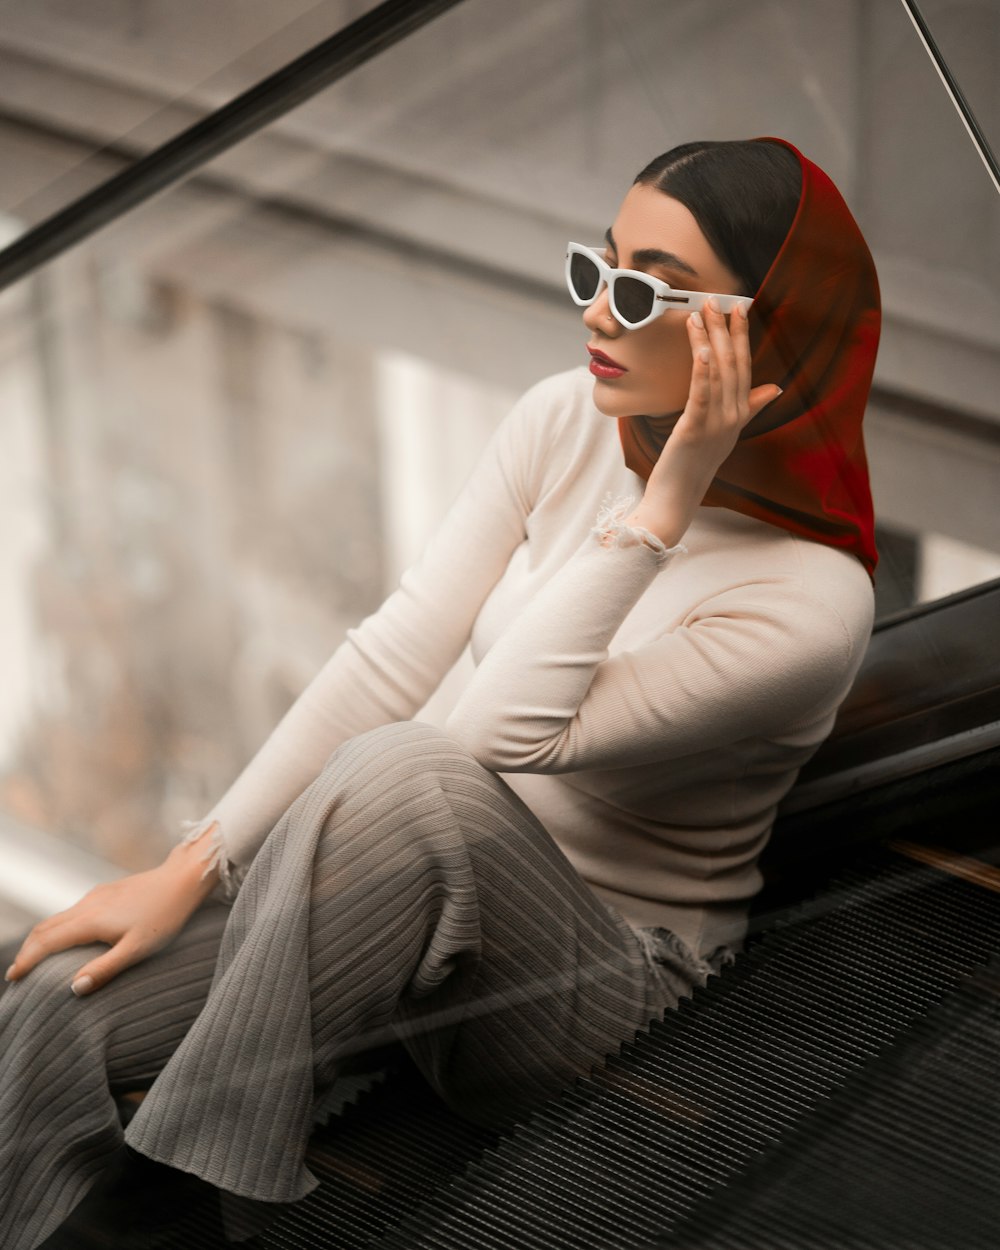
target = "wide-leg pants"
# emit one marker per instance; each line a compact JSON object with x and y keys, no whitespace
{"x":408,"y":894}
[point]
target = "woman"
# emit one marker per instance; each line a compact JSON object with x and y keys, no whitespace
{"x":515,"y":895}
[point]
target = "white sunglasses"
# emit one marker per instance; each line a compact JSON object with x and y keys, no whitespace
{"x":636,"y":299}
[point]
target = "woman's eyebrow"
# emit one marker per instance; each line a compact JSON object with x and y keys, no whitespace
{"x":653,"y":256}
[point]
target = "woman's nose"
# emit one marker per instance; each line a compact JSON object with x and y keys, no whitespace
{"x":599,"y":317}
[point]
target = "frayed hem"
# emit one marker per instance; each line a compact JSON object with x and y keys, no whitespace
{"x":663,"y":948}
{"x":647,"y":943}
{"x":230,"y":875}
{"x":612,"y":531}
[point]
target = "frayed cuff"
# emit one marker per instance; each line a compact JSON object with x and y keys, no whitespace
{"x":230,"y":875}
{"x":611,"y":530}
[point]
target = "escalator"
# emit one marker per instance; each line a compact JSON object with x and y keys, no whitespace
{"x":836,"y":1087}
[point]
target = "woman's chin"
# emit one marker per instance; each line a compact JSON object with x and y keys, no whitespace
{"x":610,"y":402}
{"x":613,"y":403}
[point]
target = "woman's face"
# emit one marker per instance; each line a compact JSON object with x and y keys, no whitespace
{"x":654,"y":233}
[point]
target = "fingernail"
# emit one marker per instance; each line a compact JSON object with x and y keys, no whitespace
{"x":704,"y":354}
{"x":82,"y":985}
{"x":696,"y":318}
{"x":743,"y":309}
{"x":713,"y":303}
{"x":9,"y":974}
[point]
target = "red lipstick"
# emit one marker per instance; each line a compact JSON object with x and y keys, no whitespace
{"x":602,"y":366}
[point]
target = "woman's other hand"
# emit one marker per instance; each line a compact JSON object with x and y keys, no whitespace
{"x":136,"y":916}
{"x":720,"y":403}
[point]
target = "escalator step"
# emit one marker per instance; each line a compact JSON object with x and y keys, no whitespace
{"x":625,"y":1158}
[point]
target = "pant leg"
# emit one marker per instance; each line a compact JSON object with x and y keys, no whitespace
{"x":62,"y":1059}
{"x":407,"y":893}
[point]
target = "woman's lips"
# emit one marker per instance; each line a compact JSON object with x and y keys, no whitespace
{"x":602,"y":366}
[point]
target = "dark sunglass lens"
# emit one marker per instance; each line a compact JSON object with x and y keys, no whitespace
{"x":584,"y":275}
{"x":634,"y":299}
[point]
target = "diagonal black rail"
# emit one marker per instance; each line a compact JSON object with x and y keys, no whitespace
{"x":957,"y":96}
{"x":279,"y":93}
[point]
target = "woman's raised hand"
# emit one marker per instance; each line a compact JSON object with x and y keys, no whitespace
{"x":135,"y":916}
{"x":720,"y":403}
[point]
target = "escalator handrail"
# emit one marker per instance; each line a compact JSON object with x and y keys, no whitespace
{"x":955,"y":93}
{"x":325,"y":63}
{"x":927,"y":693}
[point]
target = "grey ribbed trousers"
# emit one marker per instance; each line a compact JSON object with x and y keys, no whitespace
{"x":407,"y":894}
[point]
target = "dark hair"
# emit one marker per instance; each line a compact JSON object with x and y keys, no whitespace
{"x":743,"y":193}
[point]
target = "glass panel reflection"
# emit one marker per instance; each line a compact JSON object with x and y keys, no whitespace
{"x":232,"y":419}
{"x":88,"y":88}
{"x":219,"y":403}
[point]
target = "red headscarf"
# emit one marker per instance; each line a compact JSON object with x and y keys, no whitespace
{"x":814,"y":328}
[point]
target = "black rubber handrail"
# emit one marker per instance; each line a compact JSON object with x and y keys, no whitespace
{"x":279,"y":93}
{"x":955,"y":93}
{"x":927,"y":693}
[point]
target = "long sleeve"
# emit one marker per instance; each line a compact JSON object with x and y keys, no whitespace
{"x":720,"y":667}
{"x":548,"y":697}
{"x":389,"y":665}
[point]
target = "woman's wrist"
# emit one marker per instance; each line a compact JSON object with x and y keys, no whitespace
{"x":614,"y":530}
{"x":189,"y":862}
{"x":664,"y":525}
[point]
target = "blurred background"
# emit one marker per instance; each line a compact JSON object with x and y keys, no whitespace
{"x":229,"y":420}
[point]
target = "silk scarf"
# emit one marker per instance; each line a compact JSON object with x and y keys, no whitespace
{"x":814,"y":329}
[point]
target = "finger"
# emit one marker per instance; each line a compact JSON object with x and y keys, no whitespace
{"x":739,"y":329}
{"x":56,"y":920}
{"x":105,"y":968}
{"x":21,"y":964}
{"x":700,"y":389}
{"x":31,"y":952}
{"x":724,"y":352}
{"x":41,"y":943}
{"x":761,"y":396}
